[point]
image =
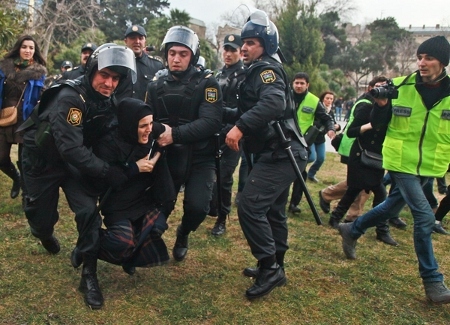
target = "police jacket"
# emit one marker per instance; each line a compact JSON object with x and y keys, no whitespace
{"x":264,"y":97}
{"x":418,"y":136}
{"x":77,"y":120}
{"x":146,"y":69}
{"x":74,"y":73}
{"x":192,"y":106}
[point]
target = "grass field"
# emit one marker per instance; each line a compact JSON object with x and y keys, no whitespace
{"x":382,"y":286}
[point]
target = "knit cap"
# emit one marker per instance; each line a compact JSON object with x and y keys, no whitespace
{"x":437,"y":47}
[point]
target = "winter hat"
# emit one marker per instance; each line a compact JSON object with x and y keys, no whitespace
{"x":437,"y":47}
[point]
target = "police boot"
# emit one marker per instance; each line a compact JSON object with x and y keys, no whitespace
{"x":334,"y":220}
{"x":270,"y":276}
{"x":12,"y":173}
{"x":384,"y":235}
{"x":89,"y":283}
{"x":76,"y":258}
{"x":181,"y":244}
{"x":252,"y":272}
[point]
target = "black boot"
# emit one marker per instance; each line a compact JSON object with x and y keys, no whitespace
{"x":76,"y":258}
{"x":384,"y":235}
{"x":12,"y":173}
{"x":334,"y":220}
{"x":89,"y":283}
{"x":269,"y":277}
{"x":252,"y":272}
{"x":51,"y":244}
{"x":181,"y":245}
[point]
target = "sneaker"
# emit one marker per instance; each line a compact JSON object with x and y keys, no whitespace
{"x":348,"y":243}
{"x":386,"y":238}
{"x":219,"y":228}
{"x":437,"y":228}
{"x":294,"y":209}
{"x":313,"y":179}
{"x":333,"y":222}
{"x":437,"y":292}
{"x":324,"y":205}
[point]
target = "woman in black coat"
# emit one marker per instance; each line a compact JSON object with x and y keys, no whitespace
{"x":133,"y":214}
{"x":359,"y":176}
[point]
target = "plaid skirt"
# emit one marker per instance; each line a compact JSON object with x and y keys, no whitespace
{"x":132,"y":243}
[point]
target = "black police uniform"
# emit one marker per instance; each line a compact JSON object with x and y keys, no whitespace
{"x":74,"y":73}
{"x":76,"y":120}
{"x":263,"y":98}
{"x":192,"y":106}
{"x":228,"y":79}
{"x":146,"y":68}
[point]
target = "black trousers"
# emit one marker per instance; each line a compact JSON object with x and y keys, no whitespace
{"x":43,"y":181}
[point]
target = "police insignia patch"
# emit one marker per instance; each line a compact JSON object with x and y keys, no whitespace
{"x":268,"y":76}
{"x":74,"y":116}
{"x":211,"y":95}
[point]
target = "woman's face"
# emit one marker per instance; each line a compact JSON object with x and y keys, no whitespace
{"x":144,"y":129}
{"x":26,"y":50}
{"x":328,"y":100}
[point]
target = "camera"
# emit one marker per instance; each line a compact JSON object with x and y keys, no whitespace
{"x":389,"y":91}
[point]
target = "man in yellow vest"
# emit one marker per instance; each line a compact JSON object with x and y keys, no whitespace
{"x":416,"y":147}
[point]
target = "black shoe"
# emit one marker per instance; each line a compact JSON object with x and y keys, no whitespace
{"x":251,"y":272}
{"x":91,"y":290}
{"x":334,"y":222}
{"x":51,"y":244}
{"x":128,"y":269}
{"x":15,"y":190}
{"x":437,"y":228}
{"x":386,"y":238}
{"x":294,"y":209}
{"x":324,"y":205}
{"x":397,"y":223}
{"x":180,"y":248}
{"x":266,"y":281}
{"x":76,"y":258}
{"x":219,"y":228}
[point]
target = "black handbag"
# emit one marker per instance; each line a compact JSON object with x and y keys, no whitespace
{"x":371,"y":159}
{"x":336,"y":142}
{"x":311,"y":135}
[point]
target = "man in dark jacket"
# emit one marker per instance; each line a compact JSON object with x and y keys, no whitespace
{"x":229,"y":78}
{"x":78,"y":71}
{"x":70,"y":118}
{"x":146,"y":66}
{"x":264,"y":99}
{"x":188,"y":101}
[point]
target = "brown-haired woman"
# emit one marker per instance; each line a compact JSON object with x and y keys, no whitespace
{"x":22,"y":75}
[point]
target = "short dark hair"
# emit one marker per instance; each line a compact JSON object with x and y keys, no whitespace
{"x":301,"y":75}
{"x":376,"y":80}
{"x":15,"y":51}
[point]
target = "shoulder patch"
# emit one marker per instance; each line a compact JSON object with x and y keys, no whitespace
{"x":74,"y":116}
{"x":211,"y":95}
{"x":268,"y":76}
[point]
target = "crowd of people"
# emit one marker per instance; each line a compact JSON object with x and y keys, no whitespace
{"x":121,"y":134}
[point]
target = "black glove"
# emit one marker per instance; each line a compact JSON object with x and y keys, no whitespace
{"x":157,"y":129}
{"x":115,"y":177}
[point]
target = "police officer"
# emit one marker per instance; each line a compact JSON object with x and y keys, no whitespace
{"x":229,"y":77}
{"x":146,"y":66}
{"x":189,"y":102}
{"x":69,"y":118}
{"x":264,"y":97}
{"x":78,"y":71}
{"x":66,"y":66}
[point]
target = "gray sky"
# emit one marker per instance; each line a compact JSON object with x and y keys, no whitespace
{"x":406,"y":12}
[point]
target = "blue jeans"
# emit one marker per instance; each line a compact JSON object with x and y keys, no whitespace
{"x":338,"y":113}
{"x":318,"y":156}
{"x":408,"y":190}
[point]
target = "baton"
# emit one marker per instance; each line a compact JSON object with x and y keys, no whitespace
{"x":286,"y":144}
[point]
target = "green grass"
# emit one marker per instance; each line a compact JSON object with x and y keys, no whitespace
{"x":381,"y":287}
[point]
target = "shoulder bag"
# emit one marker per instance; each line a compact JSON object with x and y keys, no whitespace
{"x":8,"y":115}
{"x":371,"y":159}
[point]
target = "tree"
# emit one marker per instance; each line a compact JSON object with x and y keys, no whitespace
{"x":406,"y":50}
{"x":12,"y":24}
{"x":116,"y":15}
{"x":301,"y":41}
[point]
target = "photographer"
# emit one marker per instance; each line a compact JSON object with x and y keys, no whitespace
{"x":416,"y":147}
